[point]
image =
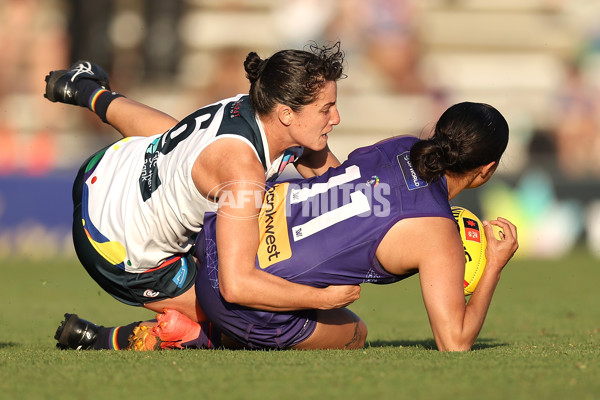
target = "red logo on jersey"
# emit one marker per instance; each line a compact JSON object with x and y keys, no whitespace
{"x":235,"y":110}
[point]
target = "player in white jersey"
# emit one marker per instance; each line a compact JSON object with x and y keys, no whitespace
{"x":139,"y":202}
{"x":140,"y":192}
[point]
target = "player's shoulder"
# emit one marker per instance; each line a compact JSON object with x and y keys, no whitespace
{"x":227,"y":163}
{"x":417,"y":239}
{"x":397,"y":144}
{"x":230,"y":150}
{"x":230,"y":107}
{"x":398,"y":139}
{"x":391,"y":145}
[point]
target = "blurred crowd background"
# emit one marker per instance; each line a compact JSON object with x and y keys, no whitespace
{"x":537,"y":61}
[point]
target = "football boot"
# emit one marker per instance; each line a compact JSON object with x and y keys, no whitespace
{"x":61,"y":85}
{"x":143,"y":339}
{"x":173,"y":331}
{"x":174,"y":327}
{"x":76,"y":333}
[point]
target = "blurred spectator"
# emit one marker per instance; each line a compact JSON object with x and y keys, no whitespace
{"x":379,"y":37}
{"x":32,"y":36}
{"x":136,"y":41}
{"x":577,"y":127}
{"x":229,"y":77}
{"x":88,"y":31}
{"x":300,"y":21}
{"x":385,"y":31}
{"x":33,"y":39}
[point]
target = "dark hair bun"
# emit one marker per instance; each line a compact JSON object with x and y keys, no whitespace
{"x":428,"y":159}
{"x":450,"y":153}
{"x":254,"y":66}
{"x":467,"y":135}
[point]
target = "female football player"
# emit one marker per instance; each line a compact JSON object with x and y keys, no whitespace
{"x":381,"y":216}
{"x":140,"y":202}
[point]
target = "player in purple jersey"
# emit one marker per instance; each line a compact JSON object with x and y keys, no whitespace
{"x":381,"y":216}
{"x":291,"y":104}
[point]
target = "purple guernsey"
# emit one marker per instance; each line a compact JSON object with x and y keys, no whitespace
{"x":324,"y":231}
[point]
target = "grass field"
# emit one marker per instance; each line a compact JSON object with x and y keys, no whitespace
{"x":540,"y":341}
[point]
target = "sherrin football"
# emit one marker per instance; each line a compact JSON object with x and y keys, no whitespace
{"x":474,"y":242}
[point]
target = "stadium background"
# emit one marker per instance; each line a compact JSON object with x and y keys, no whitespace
{"x":537,"y":61}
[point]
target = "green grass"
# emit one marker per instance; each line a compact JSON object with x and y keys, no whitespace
{"x":540,"y":341}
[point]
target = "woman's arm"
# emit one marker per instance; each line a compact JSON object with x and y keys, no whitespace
{"x":132,"y":118}
{"x":433,"y":246}
{"x":455,"y":324}
{"x":238,"y":236}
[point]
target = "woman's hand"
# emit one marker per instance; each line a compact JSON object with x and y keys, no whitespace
{"x":339,"y":296}
{"x":500,"y":251}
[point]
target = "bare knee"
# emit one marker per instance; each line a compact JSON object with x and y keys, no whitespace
{"x":336,"y":329}
{"x":359,"y":338}
{"x":185,"y":303}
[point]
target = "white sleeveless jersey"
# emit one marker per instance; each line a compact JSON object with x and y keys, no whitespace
{"x":140,"y":205}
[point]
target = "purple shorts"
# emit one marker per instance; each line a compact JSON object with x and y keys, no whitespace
{"x":254,"y":328}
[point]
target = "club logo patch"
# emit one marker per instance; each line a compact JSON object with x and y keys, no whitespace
{"x":374,"y":181}
{"x":410,"y":176}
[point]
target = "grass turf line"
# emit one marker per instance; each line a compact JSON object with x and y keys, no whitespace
{"x":540,"y":341}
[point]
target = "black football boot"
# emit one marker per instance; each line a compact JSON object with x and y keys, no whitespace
{"x":61,"y":85}
{"x":76,"y":333}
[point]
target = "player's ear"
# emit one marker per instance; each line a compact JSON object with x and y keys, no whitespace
{"x":488,"y":170}
{"x":284,"y":113}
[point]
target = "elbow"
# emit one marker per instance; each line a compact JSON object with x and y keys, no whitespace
{"x":231,"y":292}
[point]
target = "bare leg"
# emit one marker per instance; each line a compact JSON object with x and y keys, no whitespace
{"x":131,"y":118}
{"x":336,"y":329}
{"x":185,"y":304}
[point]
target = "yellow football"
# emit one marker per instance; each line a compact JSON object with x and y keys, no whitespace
{"x":474,"y":242}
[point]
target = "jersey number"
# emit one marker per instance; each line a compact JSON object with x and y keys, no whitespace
{"x":358,"y":204}
{"x":165,"y":143}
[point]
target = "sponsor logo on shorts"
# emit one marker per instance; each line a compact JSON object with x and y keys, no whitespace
{"x":179,"y":278}
{"x":410,"y":176}
{"x":150,"y":293}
